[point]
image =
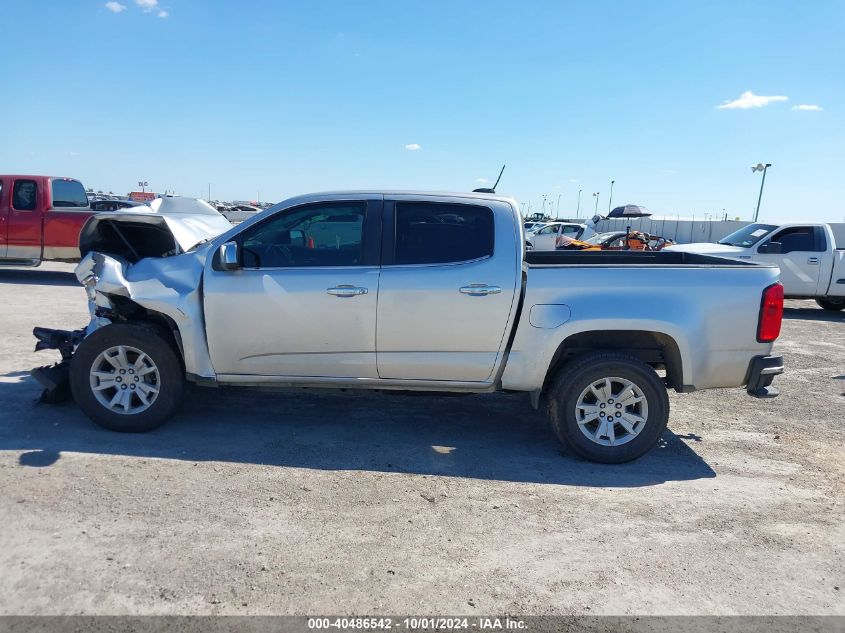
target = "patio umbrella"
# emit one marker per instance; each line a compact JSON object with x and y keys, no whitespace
{"x":629,"y":211}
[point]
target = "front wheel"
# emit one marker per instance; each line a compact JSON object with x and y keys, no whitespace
{"x":832,"y":304}
{"x":127,"y":377}
{"x":608,"y":407}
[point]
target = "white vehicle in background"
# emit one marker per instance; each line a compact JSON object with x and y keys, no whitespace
{"x":533,"y":226}
{"x":552,"y":234}
{"x":811,"y":266}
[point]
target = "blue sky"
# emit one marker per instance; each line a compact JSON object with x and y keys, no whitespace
{"x":284,"y":98}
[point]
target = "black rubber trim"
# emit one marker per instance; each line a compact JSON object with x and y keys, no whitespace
{"x":756,"y":379}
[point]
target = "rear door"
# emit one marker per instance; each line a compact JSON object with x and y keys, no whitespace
{"x":449,"y":276}
{"x":567,"y":233}
{"x":802,"y":258}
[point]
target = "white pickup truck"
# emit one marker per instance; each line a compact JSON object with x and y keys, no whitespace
{"x":410,"y":291}
{"x":553,"y":234}
{"x":811,"y":266}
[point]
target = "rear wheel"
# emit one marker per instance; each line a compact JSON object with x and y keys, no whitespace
{"x":127,"y":378}
{"x":608,"y":407}
{"x":833,"y":304}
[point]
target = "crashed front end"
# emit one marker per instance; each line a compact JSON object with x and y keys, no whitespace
{"x":137,"y":268}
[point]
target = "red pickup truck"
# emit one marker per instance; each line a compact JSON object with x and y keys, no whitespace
{"x":40,"y":219}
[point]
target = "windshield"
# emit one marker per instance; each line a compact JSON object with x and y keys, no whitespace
{"x":599,"y":238}
{"x":748,"y":236}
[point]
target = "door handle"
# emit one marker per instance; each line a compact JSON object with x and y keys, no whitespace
{"x":346,"y":291}
{"x":480,"y":290}
{"x":812,"y":260}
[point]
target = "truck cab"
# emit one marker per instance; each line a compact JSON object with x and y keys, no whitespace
{"x":40,"y":218}
{"x":811,"y":265}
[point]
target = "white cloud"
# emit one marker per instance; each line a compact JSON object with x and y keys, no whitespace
{"x":147,"y":5}
{"x":115,"y":7}
{"x":413,"y":147}
{"x":667,"y":171}
{"x":481,"y":180}
{"x":808,"y":108}
{"x":74,"y":153}
{"x":749,"y":100}
{"x":163,"y":14}
{"x":574,"y":180}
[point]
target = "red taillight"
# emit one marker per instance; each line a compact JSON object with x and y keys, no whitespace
{"x":771,"y":314}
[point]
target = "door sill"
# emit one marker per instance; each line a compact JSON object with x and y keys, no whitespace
{"x":244,"y":380}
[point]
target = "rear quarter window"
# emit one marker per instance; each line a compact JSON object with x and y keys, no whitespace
{"x":68,"y":193}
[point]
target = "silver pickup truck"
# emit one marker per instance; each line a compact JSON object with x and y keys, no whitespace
{"x":411,"y":291}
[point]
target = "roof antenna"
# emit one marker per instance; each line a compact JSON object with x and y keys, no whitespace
{"x":493,"y":188}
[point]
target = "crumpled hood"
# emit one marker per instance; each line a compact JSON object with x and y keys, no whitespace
{"x":137,"y":234}
{"x":188,"y":230}
{"x":704,"y":248}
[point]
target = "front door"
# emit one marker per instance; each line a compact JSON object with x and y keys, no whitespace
{"x":4,"y":219}
{"x":23,"y":222}
{"x":304,"y":301}
{"x":544,"y":239}
{"x":447,"y":289}
{"x":801,"y":259}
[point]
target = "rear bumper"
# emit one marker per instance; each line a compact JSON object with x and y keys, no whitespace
{"x":761,"y":373}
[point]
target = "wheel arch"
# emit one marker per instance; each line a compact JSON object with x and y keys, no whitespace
{"x":130,"y":312}
{"x":657,"y":349}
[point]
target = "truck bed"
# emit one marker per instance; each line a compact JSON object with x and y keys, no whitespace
{"x":627,"y":258}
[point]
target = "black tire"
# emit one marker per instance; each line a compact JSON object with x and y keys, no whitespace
{"x":151,"y":341}
{"x":577,"y":375}
{"x":832,"y":304}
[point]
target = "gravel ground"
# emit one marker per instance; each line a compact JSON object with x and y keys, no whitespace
{"x":340,"y":502}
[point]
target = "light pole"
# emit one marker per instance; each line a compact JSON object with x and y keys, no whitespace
{"x":763,"y":168}
{"x":578,"y":210}
{"x":596,"y":196}
{"x":557,"y":211}
{"x":610,"y":199}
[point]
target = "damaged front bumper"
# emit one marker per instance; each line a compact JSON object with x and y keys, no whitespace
{"x":55,"y":378}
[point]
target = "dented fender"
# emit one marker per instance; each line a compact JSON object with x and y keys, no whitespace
{"x":171,"y":286}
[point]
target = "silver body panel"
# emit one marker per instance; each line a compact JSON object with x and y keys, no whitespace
{"x":711,"y":313}
{"x":424,"y":326}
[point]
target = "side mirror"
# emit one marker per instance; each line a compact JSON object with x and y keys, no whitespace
{"x":229,"y":259}
{"x":771,"y":248}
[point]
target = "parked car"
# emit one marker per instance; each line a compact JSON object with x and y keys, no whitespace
{"x":811,"y":265}
{"x":556,"y":233}
{"x":618,"y":241}
{"x":292,"y":296}
{"x":40,"y":219}
{"x":112,"y":205}
{"x":533,"y":226}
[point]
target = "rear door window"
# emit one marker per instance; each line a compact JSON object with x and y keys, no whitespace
{"x":68,"y":193}
{"x":25,"y":195}
{"x":435,"y":233}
